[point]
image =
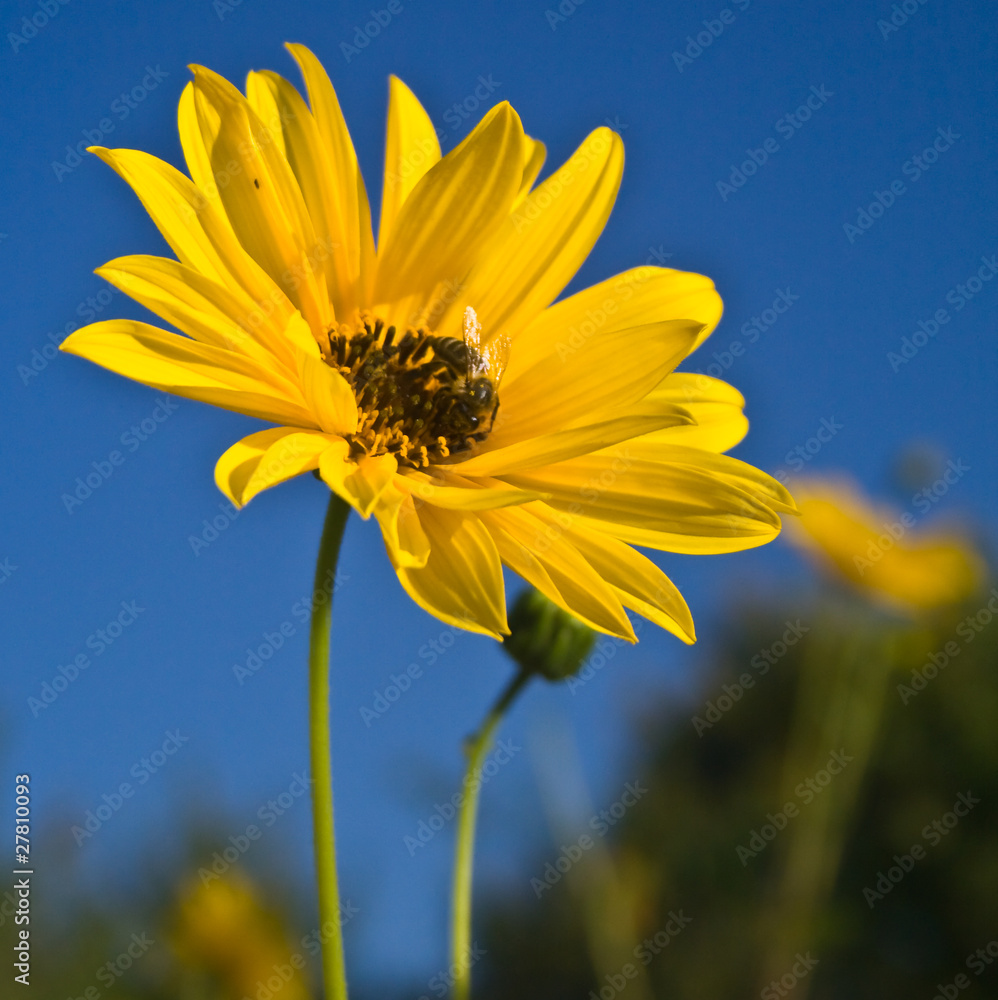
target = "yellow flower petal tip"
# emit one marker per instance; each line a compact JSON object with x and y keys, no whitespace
{"x":881,"y":552}
{"x":426,"y":377}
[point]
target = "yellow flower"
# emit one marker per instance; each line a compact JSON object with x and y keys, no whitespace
{"x":430,"y":382}
{"x":223,"y":928}
{"x":878,"y":550}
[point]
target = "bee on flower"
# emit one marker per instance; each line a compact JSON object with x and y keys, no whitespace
{"x":425,"y":376}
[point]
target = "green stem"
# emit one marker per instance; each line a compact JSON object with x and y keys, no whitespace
{"x":333,"y":964}
{"x":476,"y":749}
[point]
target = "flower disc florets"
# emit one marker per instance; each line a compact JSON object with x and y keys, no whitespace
{"x":417,"y":395}
{"x":600,"y":444}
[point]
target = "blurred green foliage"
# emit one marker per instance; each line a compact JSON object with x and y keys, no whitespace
{"x":870,"y":886}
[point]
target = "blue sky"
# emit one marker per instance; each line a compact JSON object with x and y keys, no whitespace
{"x":832,"y":171}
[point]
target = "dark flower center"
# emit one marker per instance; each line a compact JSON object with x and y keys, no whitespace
{"x":420,"y":397}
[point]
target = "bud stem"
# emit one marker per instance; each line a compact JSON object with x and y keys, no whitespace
{"x":476,"y":749}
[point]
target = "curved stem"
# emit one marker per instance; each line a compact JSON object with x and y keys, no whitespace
{"x":333,"y":964}
{"x":476,"y":749}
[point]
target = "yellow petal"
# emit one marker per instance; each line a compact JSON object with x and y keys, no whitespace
{"x":538,"y":551}
{"x":194,"y":303}
{"x":177,"y":364}
{"x":195,"y":154}
{"x":639,"y":296}
{"x":730,"y":470}
{"x":616,"y":369}
{"x":329,"y":397}
{"x":353,"y":207}
{"x":264,"y":99}
{"x":544,"y":242}
{"x":374,"y":474}
{"x":312,"y":165}
{"x":297,"y":335}
{"x":716,"y":421}
{"x":637,"y":581}
{"x":196,"y":228}
{"x":550,"y":448}
{"x":267,"y":458}
{"x":534,"y":154}
{"x":461,"y":582}
{"x":457,"y":493}
{"x":361,"y":483}
{"x":454,"y":209}
{"x":261,"y":196}
{"x":411,"y":148}
{"x":691,"y":389}
{"x":661,"y":505}
{"x":404,"y":537}
{"x":872,"y":548}
{"x":716,"y":408}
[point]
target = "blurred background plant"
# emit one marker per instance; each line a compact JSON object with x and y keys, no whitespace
{"x":818,"y":821}
{"x":780,"y":824}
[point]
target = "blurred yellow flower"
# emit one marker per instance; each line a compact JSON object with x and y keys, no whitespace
{"x":879,"y":551}
{"x":428,"y":380}
{"x":222,"y":928}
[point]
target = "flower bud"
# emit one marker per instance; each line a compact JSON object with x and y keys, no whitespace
{"x":546,"y":640}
